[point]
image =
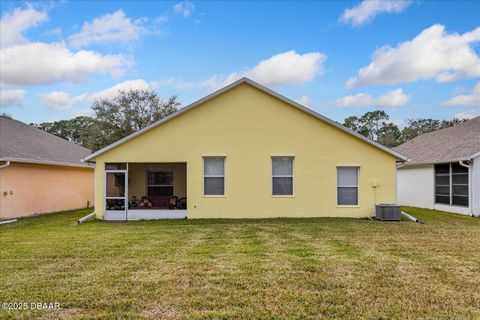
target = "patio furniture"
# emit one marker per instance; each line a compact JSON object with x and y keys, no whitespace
{"x":145,"y":202}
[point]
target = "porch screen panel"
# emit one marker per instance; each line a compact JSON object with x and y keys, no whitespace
{"x":442,"y":183}
{"x":214,"y":176}
{"x":115,"y":191}
{"x":459,"y":185}
{"x":115,"y":184}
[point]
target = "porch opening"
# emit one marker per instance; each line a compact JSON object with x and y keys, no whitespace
{"x":138,"y":191}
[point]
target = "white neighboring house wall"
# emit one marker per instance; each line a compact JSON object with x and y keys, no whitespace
{"x":475,"y":186}
{"x":415,"y":186}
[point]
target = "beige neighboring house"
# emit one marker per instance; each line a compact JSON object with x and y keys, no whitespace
{"x":443,"y":171}
{"x":40,"y":172}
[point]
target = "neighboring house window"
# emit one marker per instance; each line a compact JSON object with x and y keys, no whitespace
{"x":347,"y":186}
{"x":282,"y":176}
{"x":214,"y":176}
{"x":451,"y":184}
{"x":159,"y":183}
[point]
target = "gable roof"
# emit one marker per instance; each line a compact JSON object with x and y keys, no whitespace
{"x":263,"y":89}
{"x":460,"y":142}
{"x":20,"y":142}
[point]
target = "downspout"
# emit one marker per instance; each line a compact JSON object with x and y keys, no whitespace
{"x":5,"y":165}
{"x":81,"y":220}
{"x":463,"y":164}
{"x":411,"y":218}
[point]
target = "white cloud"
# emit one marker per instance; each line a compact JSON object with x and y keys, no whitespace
{"x":60,"y":101}
{"x":282,"y":69}
{"x":304,"y":100}
{"x":434,"y":53}
{"x":110,"y":28}
{"x":472,"y":99}
{"x":12,"y":25}
{"x":358,"y":100}
{"x":11,"y":98}
{"x":369,"y":9}
{"x":185,"y":8}
{"x":394,"y":98}
{"x":41,"y":63}
{"x":466,"y":115}
{"x":391,"y":99}
{"x":109,"y":93}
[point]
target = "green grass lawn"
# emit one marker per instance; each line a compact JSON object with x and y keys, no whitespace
{"x":220,"y":269}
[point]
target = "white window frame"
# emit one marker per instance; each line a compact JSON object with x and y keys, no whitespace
{"x":224,"y":176}
{"x":283,"y":176}
{"x":147,"y":171}
{"x":352,"y":186}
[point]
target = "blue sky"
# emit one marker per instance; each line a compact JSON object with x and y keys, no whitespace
{"x":340,"y":58}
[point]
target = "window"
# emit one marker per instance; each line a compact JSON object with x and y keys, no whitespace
{"x":214,"y":176}
{"x":451,"y":184}
{"x":282,"y":176}
{"x":159,"y":183}
{"x":347,"y":186}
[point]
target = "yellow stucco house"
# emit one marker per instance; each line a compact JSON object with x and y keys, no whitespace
{"x":243,"y":151}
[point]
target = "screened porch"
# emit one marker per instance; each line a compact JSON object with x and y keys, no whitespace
{"x":141,"y":191}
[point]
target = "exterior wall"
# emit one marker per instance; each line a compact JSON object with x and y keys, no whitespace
{"x":137,"y":178}
{"x":28,"y":189}
{"x":248,"y":126}
{"x":475,"y":187}
{"x":415,"y":186}
{"x":453,"y":209}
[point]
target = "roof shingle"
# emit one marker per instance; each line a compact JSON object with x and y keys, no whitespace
{"x":21,"y":142}
{"x":458,"y":142}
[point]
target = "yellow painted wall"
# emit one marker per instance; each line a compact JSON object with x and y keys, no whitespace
{"x":28,"y":189}
{"x":248,"y":126}
{"x":137,"y":178}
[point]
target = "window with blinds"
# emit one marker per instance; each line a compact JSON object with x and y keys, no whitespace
{"x":347,"y":186}
{"x":214,"y":176}
{"x":282,"y":176}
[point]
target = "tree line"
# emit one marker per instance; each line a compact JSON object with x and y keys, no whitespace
{"x":113,"y":119}
{"x":133,"y":110}
{"x":376,"y":126}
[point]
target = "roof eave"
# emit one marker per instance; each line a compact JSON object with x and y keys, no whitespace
{"x":397,"y":155}
{"x":51,"y":163}
{"x":475,"y":155}
{"x":415,"y":163}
